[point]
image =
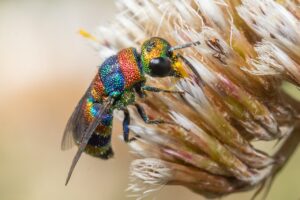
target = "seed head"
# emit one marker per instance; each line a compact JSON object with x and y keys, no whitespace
{"x":232,"y":98}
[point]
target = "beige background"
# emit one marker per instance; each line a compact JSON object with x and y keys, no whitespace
{"x":45,"y":66}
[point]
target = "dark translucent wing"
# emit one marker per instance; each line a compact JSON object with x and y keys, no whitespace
{"x":88,"y":133}
{"x":74,"y":126}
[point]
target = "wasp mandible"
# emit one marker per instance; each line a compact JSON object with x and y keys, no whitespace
{"x":119,"y":78}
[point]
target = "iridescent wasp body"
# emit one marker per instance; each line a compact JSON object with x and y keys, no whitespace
{"x":119,"y":78}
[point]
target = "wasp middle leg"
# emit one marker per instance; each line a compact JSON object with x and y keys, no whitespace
{"x":155,"y":89}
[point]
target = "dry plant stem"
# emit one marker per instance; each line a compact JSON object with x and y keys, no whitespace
{"x":282,"y":157}
{"x":286,"y":151}
{"x":290,"y":144}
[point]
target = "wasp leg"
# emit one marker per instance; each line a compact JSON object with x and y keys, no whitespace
{"x":140,"y":92}
{"x":155,"y":89}
{"x":146,"y":119}
{"x":126,"y":122}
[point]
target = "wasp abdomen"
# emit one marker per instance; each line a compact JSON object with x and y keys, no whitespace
{"x":99,"y":144}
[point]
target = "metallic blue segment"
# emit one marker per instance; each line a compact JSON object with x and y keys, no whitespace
{"x":109,"y":66}
{"x":94,"y":109}
{"x":107,"y":119}
{"x":111,"y":76}
{"x":114,"y":83}
{"x":101,"y":139}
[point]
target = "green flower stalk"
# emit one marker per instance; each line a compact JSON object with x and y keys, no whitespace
{"x":232,"y":99}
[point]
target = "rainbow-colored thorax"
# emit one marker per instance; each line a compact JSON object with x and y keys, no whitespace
{"x":120,"y":72}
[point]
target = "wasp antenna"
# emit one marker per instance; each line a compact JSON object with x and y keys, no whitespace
{"x":87,"y":135}
{"x":184,"y":45}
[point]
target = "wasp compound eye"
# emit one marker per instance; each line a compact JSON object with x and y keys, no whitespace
{"x":160,"y":67}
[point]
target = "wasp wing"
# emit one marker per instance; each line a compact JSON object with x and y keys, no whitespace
{"x":87,"y":133}
{"x":75,"y":123}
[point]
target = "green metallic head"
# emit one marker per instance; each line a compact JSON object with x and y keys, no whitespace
{"x":158,"y":59}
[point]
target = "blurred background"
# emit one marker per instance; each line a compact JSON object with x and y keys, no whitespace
{"x":45,"y":66}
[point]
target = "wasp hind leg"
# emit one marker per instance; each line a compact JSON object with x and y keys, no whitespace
{"x":126,"y":122}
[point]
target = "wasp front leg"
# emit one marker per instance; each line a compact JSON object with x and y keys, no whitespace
{"x":155,"y":89}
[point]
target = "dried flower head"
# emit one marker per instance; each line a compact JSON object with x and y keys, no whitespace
{"x":233,"y":95}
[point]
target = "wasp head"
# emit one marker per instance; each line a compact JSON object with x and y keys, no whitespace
{"x":158,"y":60}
